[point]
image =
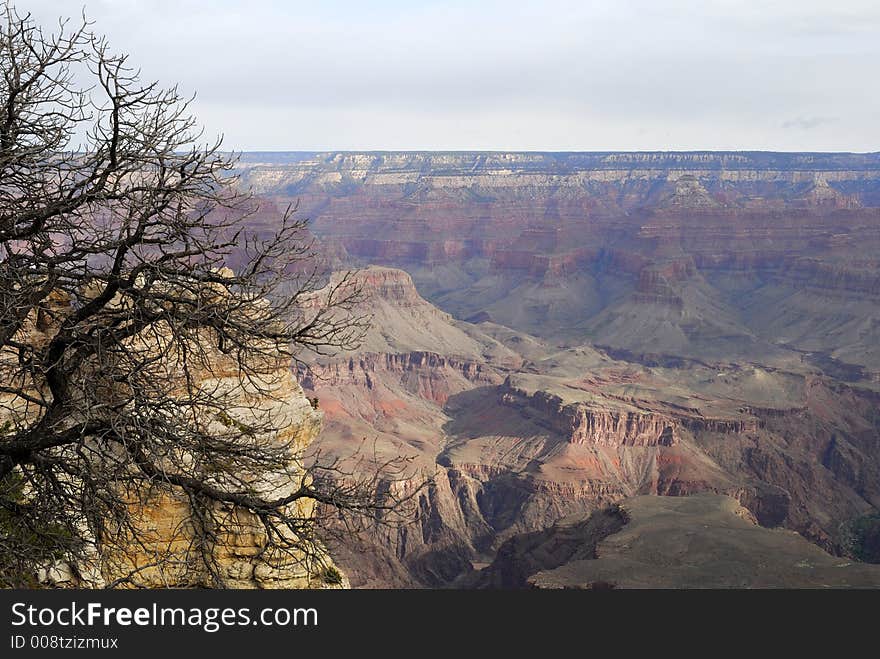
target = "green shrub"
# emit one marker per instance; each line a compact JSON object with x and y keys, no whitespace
{"x":864,"y":533}
{"x":332,"y":576}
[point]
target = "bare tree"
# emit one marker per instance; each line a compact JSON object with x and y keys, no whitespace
{"x":120,"y":327}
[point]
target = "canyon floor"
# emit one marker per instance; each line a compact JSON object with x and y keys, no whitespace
{"x":693,"y":338}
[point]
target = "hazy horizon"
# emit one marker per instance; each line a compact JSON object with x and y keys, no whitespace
{"x":559,"y":75}
{"x":555,"y":151}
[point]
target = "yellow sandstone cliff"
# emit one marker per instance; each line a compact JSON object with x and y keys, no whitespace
{"x":167,"y":552}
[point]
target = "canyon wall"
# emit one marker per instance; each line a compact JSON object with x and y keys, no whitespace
{"x":686,"y":254}
{"x":168,"y":553}
{"x":161,"y":548}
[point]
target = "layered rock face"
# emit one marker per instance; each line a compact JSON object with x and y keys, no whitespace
{"x":582,"y":424}
{"x":659,"y":254}
{"x":166,"y":550}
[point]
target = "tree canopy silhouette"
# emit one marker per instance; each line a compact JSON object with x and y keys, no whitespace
{"x":119,"y":322}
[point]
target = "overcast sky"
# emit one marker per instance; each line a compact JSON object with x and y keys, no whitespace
{"x":789,"y":75}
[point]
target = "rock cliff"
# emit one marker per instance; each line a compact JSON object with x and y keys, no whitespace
{"x":164,"y":552}
{"x":601,"y":426}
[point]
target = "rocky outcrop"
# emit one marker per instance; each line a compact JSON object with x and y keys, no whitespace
{"x":165,"y":552}
{"x":162,"y":548}
{"x":688,"y":192}
{"x":394,"y":286}
{"x":581,"y":424}
{"x":425,"y":374}
{"x":354,"y":370}
{"x":724,"y":426}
